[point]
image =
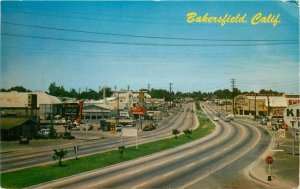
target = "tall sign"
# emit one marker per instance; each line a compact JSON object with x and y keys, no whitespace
{"x":32,"y":101}
{"x":138,"y":110}
{"x":291,"y":114}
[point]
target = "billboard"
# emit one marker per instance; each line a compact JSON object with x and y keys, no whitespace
{"x":130,"y":132}
{"x":291,"y":114}
{"x":138,"y":110}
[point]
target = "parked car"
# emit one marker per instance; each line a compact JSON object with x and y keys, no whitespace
{"x":119,"y":127}
{"x":88,"y":127}
{"x":150,"y":127}
{"x":129,"y":125}
{"x":76,"y":127}
{"x":44,"y":132}
{"x":216,"y":119}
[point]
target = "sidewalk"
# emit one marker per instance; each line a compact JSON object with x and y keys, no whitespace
{"x":284,"y":162}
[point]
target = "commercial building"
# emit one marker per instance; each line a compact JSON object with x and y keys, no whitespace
{"x":264,"y":104}
{"x":25,"y":103}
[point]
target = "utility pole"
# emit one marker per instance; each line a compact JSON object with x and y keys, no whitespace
{"x":171,"y":93}
{"x":148,"y":87}
{"x":268,"y":105}
{"x":232,"y":84}
{"x":255,"y":107}
{"x":226,"y":105}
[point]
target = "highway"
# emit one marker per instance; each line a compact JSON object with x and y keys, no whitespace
{"x":221,"y":155}
{"x":21,"y":159}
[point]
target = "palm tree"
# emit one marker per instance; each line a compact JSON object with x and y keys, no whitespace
{"x":188,"y":132}
{"x":175,"y":132}
{"x":59,"y":155}
{"x":121,"y":150}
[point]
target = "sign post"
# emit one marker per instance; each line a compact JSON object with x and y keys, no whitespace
{"x":131,"y":132}
{"x":269,"y":161}
{"x":291,"y":116}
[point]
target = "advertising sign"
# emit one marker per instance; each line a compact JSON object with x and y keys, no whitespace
{"x":291,"y":114}
{"x":138,"y":110}
{"x":130,"y":132}
{"x":281,"y":133}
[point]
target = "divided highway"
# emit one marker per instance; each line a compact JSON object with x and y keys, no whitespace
{"x":230,"y":147}
{"x":21,"y":159}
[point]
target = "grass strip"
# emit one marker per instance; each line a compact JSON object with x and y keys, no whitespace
{"x":40,"y":174}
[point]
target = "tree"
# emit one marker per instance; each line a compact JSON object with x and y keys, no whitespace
{"x":16,"y":88}
{"x":52,"y":132}
{"x":175,"y":132}
{"x":266,"y":91}
{"x":161,"y":93}
{"x":121,"y":150}
{"x":59,"y":155}
{"x":188,"y":132}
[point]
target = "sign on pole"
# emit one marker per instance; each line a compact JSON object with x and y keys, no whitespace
{"x":281,"y":133}
{"x":130,"y":132}
{"x":269,"y":161}
{"x":138,"y":110}
{"x":291,"y":114}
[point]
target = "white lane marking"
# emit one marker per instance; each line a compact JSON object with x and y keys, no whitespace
{"x":135,"y":172}
{"x":191,"y":164}
{"x":140,"y":186}
{"x":24,"y":162}
{"x":163,"y":162}
{"x":179,"y":157}
{"x":170,"y":173}
{"x":97,"y":184}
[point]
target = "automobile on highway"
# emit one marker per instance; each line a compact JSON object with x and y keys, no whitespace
{"x":227,"y":120}
{"x":229,"y":117}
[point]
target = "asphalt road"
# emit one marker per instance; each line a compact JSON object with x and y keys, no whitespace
{"x":221,"y":155}
{"x":21,"y":159}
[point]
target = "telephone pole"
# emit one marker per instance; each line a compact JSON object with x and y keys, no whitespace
{"x":148,"y":87}
{"x":170,"y":84}
{"x":233,"y":95}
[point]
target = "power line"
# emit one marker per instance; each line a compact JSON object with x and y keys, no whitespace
{"x":129,"y":55}
{"x":147,"y":36}
{"x":140,"y":44}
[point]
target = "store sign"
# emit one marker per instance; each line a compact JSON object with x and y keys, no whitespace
{"x":241,"y":98}
{"x":138,"y":110}
{"x":293,"y":101}
{"x":281,"y":133}
{"x":291,"y":114}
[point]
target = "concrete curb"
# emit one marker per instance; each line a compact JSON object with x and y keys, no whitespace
{"x":252,"y":175}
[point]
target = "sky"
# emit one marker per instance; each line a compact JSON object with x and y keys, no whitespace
{"x":119,"y":44}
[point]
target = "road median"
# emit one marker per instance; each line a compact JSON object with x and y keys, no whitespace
{"x":50,"y":172}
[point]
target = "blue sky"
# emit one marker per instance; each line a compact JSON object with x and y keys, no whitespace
{"x":146,"y":54}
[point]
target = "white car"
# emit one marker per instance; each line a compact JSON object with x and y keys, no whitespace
{"x":216,"y":119}
{"x":44,"y":132}
{"x":119,"y":128}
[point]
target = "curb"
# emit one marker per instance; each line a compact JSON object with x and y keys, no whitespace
{"x":256,"y":178}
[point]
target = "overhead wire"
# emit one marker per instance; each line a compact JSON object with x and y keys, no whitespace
{"x":146,"y":36}
{"x":139,"y":44}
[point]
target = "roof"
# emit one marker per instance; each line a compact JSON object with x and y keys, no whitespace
{"x":20,"y":99}
{"x":8,"y":123}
